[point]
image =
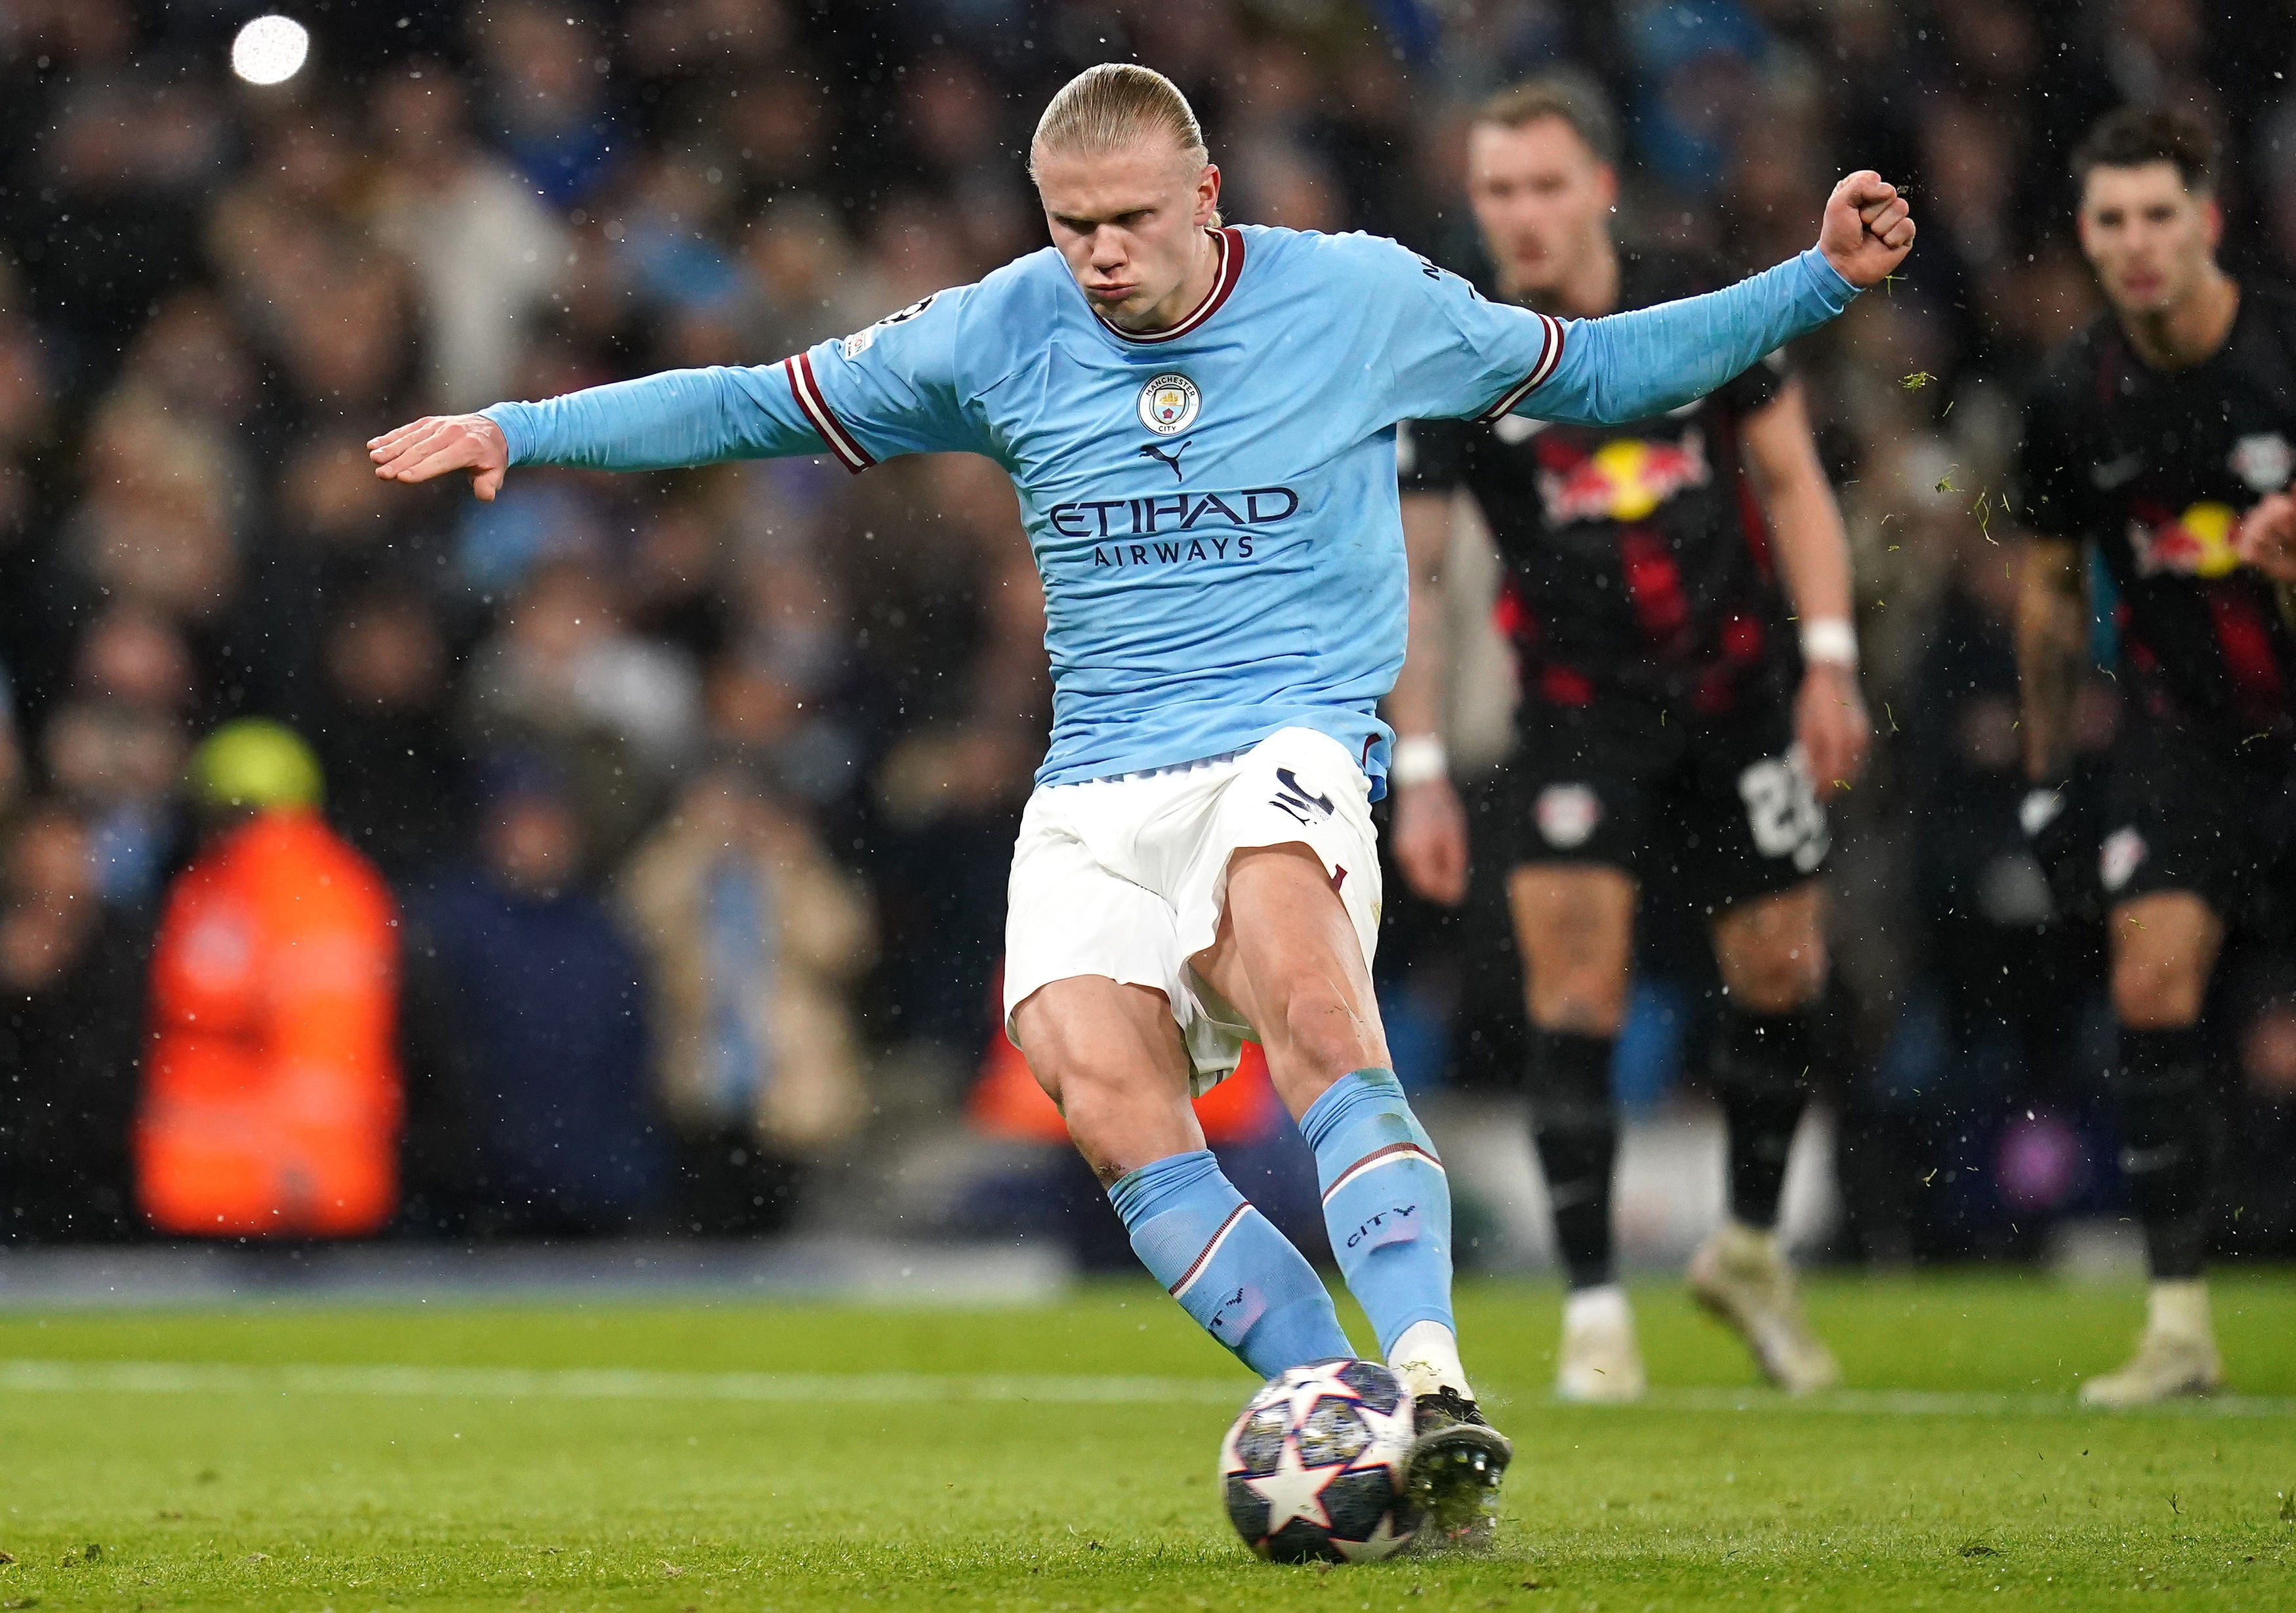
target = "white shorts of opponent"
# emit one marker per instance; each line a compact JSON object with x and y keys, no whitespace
{"x":1126,"y":876}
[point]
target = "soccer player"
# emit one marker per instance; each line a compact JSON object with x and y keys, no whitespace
{"x":1669,"y":731}
{"x":1199,"y":420}
{"x":2162,"y":435}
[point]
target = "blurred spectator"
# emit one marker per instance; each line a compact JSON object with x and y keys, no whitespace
{"x":118,"y":764}
{"x":382,"y":725}
{"x":753,"y":938}
{"x":486,"y":252}
{"x":271,"y":1093}
{"x":71,"y":1012}
{"x":546,"y":97}
{"x":618,"y":712}
{"x":542,"y":989}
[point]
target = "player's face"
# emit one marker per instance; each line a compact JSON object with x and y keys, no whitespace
{"x":2150,"y":240}
{"x":1131,"y":223}
{"x":1543,"y":201}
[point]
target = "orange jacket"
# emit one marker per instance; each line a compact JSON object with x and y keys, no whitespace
{"x":271,"y":1095}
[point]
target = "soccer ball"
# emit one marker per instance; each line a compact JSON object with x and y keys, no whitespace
{"x":1313,"y":1467}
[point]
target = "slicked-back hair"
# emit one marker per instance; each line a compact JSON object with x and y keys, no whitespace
{"x":1105,"y":107}
{"x":2137,"y":136}
{"x":1571,"y":97}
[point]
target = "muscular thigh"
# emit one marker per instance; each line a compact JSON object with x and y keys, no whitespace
{"x":1580,"y":828}
{"x":1289,"y":956}
{"x":1108,"y":1054}
{"x":1574,"y":924}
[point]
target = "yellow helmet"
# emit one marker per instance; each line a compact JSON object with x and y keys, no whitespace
{"x":255,"y":762}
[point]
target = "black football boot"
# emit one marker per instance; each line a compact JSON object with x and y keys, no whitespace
{"x":1452,"y":1478}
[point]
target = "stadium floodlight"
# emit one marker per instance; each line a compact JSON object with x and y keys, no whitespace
{"x":270,"y":50}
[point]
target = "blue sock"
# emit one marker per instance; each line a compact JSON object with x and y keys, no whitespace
{"x":1386,"y":1202}
{"x":1226,"y":1264}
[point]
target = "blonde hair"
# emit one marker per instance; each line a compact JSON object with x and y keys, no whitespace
{"x":1103,"y":107}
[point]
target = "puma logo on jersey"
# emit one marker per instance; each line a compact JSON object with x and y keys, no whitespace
{"x":1151,"y":451}
{"x":1296,"y":798}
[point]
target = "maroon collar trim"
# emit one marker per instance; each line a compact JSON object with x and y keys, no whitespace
{"x":1230,"y":243}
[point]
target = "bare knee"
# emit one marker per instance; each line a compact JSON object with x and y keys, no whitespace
{"x":1575,"y":927}
{"x":1778,"y":977}
{"x":1323,"y":1037}
{"x":1772,"y":953}
{"x":1585,"y":996}
{"x":2164,"y":946}
{"x":2156,"y":993}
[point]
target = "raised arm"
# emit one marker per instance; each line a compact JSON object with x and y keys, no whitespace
{"x":1632,"y":365}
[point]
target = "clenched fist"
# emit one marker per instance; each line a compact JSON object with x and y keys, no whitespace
{"x":1867,"y":229}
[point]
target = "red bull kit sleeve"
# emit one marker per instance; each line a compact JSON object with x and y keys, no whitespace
{"x":891,"y":389}
{"x":1456,"y":354}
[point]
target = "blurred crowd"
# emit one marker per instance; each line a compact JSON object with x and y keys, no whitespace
{"x":686,"y":798}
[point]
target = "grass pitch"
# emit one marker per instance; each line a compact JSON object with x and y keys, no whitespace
{"x":756,"y":1457}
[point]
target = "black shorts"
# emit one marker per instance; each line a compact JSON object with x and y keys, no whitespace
{"x":2184,"y":811}
{"x":1720,"y":810}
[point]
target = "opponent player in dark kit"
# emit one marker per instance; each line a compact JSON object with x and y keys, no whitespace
{"x":2162,"y":435}
{"x":1670,"y":733}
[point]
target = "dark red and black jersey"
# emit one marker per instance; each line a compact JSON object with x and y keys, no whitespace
{"x":1637,"y":560}
{"x":2157,"y":467}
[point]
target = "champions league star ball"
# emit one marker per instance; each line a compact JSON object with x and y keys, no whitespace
{"x":1313,"y":1467}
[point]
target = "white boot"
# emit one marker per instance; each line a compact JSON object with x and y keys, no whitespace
{"x":2175,"y":1354}
{"x":1741,"y":1276}
{"x":1599,"y":1361}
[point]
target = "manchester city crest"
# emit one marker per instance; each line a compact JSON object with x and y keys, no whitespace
{"x":1168,"y":403}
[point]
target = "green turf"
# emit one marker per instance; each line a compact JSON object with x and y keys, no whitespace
{"x":304,"y":1499}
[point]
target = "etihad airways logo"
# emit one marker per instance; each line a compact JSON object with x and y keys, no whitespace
{"x":1171,"y":513}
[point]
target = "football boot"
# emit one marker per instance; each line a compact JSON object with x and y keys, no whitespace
{"x":1451,"y":1477}
{"x":1741,"y":1276}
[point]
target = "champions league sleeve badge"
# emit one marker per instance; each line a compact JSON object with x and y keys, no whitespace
{"x":861,"y":342}
{"x":1168,"y":403}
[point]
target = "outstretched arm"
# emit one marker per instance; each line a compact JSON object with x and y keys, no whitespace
{"x":1633,"y":365}
{"x":680,"y":417}
{"x":890,"y":389}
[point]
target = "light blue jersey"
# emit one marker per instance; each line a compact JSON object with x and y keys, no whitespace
{"x":1213,"y":508}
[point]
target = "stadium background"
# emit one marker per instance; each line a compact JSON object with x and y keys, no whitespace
{"x":211,"y":294}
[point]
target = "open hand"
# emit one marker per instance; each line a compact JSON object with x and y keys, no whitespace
{"x":440,"y":443}
{"x":2266,"y":537}
{"x":1830,"y":721}
{"x":1428,"y":834}
{"x":1867,"y":228}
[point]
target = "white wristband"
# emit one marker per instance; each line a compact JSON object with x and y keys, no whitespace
{"x":1831,"y":640}
{"x":1419,"y":760}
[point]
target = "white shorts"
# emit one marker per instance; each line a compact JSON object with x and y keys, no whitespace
{"x":1125,"y":877}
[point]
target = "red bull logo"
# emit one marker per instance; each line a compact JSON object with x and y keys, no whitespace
{"x":2199,"y":543}
{"x":1625,"y":478}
